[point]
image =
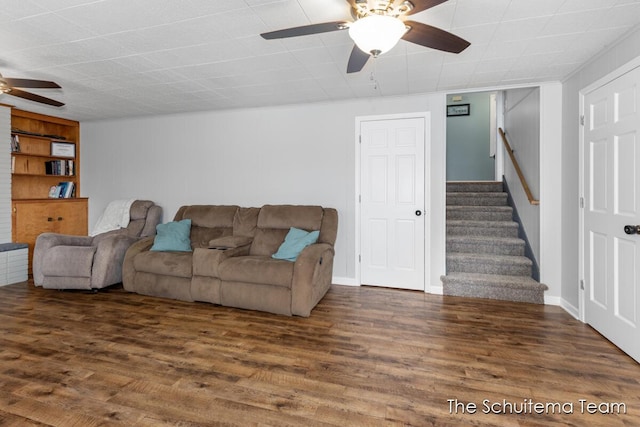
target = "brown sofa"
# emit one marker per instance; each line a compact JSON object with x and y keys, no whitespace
{"x":231,"y":260}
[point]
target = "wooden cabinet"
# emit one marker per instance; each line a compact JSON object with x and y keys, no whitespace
{"x":32,"y":217}
{"x":48,"y":154}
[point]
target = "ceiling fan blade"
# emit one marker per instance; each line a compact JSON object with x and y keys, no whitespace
{"x":357,"y":60}
{"x":306,"y":30}
{"x":33,"y":97}
{"x":29,"y":83}
{"x":420,"y":5}
{"x":435,"y":38}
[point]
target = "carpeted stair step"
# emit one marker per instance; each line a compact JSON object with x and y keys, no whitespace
{"x":463,"y":227}
{"x":485,"y":258}
{"x":488,"y":264}
{"x":510,"y":288}
{"x":476,"y":199}
{"x":480,"y":213}
{"x":485,"y":245}
{"x":474,"y":186}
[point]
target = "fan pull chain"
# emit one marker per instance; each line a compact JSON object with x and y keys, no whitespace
{"x":372,"y":76}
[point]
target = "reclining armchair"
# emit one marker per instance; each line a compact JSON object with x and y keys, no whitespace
{"x":91,"y":262}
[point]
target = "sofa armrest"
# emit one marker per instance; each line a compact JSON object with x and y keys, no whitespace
{"x":312,"y":274}
{"x":108,"y":259}
{"x":207,"y":261}
{"x":128,"y":270}
{"x":45,"y":242}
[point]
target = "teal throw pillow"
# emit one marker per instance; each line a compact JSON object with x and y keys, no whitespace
{"x":295,"y":241}
{"x":173,"y":236}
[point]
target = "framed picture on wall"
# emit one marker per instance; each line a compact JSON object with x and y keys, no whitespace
{"x":63,"y":149}
{"x":458,"y":110}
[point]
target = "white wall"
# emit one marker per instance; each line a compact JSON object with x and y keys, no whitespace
{"x":300,"y":154}
{"x":468,"y":140}
{"x":551,"y":196}
{"x":612,"y":58}
{"x":290,"y":154}
{"x":5,"y":174}
{"x":522,"y":127}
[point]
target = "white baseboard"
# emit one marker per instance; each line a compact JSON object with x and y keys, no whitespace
{"x":570,"y":308}
{"x":345,"y":281}
{"x":562,"y":303}
{"x":436,"y":290}
{"x":548,"y":300}
{"x":350,"y":281}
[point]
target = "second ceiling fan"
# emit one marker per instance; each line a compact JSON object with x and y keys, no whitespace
{"x":10,"y":86}
{"x":377,"y":26}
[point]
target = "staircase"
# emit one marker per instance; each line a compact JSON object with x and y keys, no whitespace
{"x":485,"y":257}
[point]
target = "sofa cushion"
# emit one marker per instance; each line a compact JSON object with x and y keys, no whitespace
{"x":138,"y":216}
{"x":173,"y":236}
{"x":229,"y":242}
{"x":267,"y":241}
{"x":287,"y":216}
{"x":201,"y":236}
{"x":274,"y":223}
{"x":257,"y":269}
{"x":295,"y":241}
{"x":245,"y":221}
{"x":210,"y":216}
{"x":208,"y":222}
{"x":135,"y":227}
{"x":139,"y":209}
{"x":68,"y":261}
{"x":176,"y":264}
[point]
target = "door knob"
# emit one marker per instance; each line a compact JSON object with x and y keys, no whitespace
{"x":418,"y":212}
{"x":632,"y":229}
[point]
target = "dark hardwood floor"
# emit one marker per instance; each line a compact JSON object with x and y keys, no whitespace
{"x":365,"y":357}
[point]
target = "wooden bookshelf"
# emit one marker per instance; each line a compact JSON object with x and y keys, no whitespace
{"x":33,"y":211}
{"x":36,"y":134}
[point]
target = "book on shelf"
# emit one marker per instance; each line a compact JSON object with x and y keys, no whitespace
{"x":54,"y":192}
{"x":15,"y":144}
{"x":59,"y":167}
{"x":64,"y":190}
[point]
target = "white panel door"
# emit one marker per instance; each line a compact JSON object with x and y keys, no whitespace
{"x":392,"y":217}
{"x":611,"y":157}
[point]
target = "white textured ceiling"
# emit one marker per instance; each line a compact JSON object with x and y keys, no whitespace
{"x":122,"y":58}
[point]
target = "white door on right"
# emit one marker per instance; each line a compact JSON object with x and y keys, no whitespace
{"x":611,"y":160}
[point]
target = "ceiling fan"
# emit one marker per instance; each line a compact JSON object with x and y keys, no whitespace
{"x":378,"y":25}
{"x":10,"y":87}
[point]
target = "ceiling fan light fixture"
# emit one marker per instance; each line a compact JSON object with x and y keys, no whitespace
{"x":377,"y":34}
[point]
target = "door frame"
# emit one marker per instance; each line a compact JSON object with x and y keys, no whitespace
{"x":426,"y":116}
{"x":619,"y":72}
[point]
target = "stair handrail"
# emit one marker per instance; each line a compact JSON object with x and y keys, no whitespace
{"x":516,"y":166}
